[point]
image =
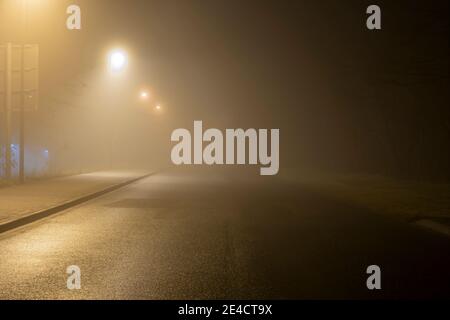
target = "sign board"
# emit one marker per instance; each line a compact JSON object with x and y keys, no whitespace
{"x":24,"y":76}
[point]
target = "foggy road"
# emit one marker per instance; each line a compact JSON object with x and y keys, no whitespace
{"x":217,"y":235}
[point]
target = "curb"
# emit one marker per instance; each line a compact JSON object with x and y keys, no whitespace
{"x":32,"y":217}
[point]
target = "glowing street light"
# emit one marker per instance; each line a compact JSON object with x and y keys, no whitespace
{"x":158,"y":107}
{"x":117,"y":60}
{"x":144,"y":95}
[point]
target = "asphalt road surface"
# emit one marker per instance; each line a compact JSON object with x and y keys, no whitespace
{"x":219,"y":235}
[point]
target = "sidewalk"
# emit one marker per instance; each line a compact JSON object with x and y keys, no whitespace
{"x":20,"y":201}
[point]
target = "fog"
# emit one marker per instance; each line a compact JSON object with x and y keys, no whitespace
{"x":344,"y":99}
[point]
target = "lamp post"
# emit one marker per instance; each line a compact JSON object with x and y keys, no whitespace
{"x":22,"y":97}
{"x":117,"y":63}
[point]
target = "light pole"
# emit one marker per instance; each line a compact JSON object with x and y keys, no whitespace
{"x":23,"y":92}
{"x":22,"y":97}
{"x":117,"y":63}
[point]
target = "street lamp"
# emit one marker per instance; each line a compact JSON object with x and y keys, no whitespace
{"x":117,"y":60}
{"x":144,"y":95}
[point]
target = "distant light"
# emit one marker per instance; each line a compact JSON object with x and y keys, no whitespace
{"x":117,"y":60}
{"x":158,"y":107}
{"x":144,"y":95}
